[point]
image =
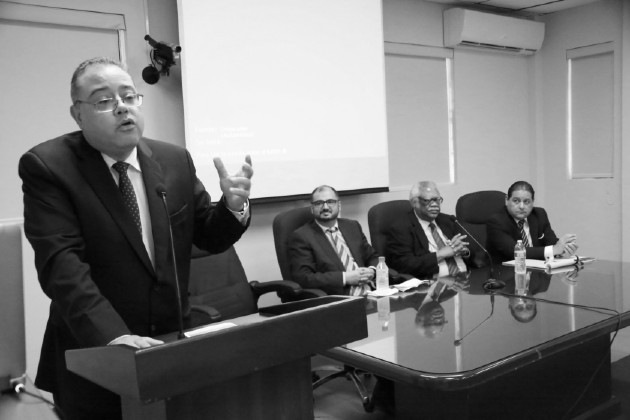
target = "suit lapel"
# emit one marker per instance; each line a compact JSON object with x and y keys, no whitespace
{"x":353,"y":243}
{"x":152,"y":175}
{"x":533,"y":229}
{"x":516,"y":232}
{"x":417,"y":230}
{"x":98,"y":176}
{"x":325,"y":245}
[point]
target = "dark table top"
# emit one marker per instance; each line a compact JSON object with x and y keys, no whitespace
{"x":464,"y":333}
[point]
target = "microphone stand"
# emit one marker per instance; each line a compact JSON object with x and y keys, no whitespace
{"x":491,"y":283}
{"x":162,"y":193}
{"x":459,"y":341}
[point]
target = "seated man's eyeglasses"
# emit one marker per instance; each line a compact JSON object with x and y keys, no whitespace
{"x":425,"y":202}
{"x":110,"y":104}
{"x":320,"y":203}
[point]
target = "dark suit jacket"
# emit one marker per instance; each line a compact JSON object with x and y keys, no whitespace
{"x":503,"y":232}
{"x":408,"y":246}
{"x":90,"y":258}
{"x":315,"y":263}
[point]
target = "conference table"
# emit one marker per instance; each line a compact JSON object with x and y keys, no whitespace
{"x":539,"y":348}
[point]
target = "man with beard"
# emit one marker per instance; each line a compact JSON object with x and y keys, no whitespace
{"x":331,"y":253}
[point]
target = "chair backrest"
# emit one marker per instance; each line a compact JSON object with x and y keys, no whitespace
{"x":283,"y":226}
{"x":473,"y":211}
{"x":219,"y":281}
{"x":380,"y":218}
{"x":12,"y":336}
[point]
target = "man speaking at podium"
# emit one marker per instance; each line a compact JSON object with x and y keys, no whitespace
{"x":331,"y":253}
{"x":94,"y":212}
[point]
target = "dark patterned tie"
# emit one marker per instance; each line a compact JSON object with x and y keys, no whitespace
{"x":346,"y":259}
{"x":521,"y":226}
{"x":453,"y":269}
{"x":128,"y":194}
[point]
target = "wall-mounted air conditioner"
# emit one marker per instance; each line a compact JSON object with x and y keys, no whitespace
{"x":470,"y":28}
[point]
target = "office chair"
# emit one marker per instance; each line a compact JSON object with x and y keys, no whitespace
{"x":380,"y":218}
{"x":218,"y":288}
{"x":473,"y":210}
{"x":12,"y":335}
{"x":283,"y":226}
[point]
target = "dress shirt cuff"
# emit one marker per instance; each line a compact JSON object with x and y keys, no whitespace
{"x":549,"y":253}
{"x":243,"y":215}
{"x":343,"y":277}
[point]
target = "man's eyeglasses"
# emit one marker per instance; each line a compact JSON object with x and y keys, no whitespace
{"x":110,"y":104}
{"x":425,"y":202}
{"x":320,"y":203}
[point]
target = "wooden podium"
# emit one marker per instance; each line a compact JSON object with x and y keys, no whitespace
{"x":257,"y":369}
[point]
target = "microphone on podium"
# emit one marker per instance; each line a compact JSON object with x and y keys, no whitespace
{"x":458,"y":342}
{"x":160,"y":189}
{"x":491,"y":283}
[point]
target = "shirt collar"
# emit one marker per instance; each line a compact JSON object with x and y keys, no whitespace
{"x":423,"y":223}
{"x":524,"y":224}
{"x":132,"y":160}
{"x":324,"y":228}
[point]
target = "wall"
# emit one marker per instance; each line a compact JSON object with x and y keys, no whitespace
{"x":573,"y":203}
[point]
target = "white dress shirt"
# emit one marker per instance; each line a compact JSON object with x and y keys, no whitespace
{"x":548,"y":248}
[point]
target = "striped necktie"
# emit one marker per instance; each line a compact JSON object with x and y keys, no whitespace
{"x":521,"y":226}
{"x":453,"y":269}
{"x":346,"y":259}
{"x":128,"y":194}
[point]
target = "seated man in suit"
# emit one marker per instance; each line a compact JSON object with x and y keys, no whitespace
{"x":521,"y":220}
{"x":426,"y":244}
{"x":316,"y":249}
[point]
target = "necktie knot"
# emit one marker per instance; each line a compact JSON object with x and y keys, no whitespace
{"x":121,"y":167}
{"x":332,"y":229}
{"x":432,"y":226}
{"x":521,"y":223}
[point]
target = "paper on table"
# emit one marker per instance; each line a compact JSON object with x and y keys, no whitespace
{"x":555,"y":263}
{"x":410,"y":284}
{"x":383,"y":292}
{"x":209,"y":328}
{"x":401,"y":287}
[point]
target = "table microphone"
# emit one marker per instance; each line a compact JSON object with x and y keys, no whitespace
{"x":160,"y":189}
{"x":491,"y":283}
{"x":458,"y":342}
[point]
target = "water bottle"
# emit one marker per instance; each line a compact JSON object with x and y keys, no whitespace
{"x":519,"y":258}
{"x":384,"y":312}
{"x":382,"y":274}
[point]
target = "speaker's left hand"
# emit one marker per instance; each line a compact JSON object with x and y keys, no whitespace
{"x":235,"y":187}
